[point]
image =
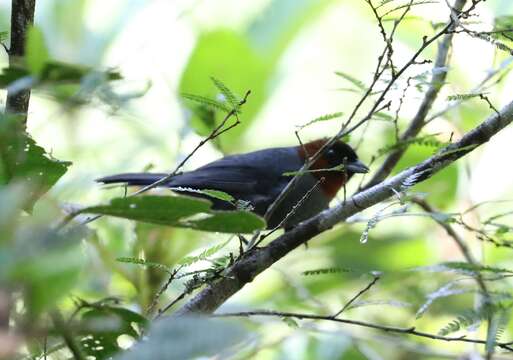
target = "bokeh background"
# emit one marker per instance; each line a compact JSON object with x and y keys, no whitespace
{"x":286,"y":52}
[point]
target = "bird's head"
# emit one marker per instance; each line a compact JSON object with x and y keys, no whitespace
{"x":336,"y":165}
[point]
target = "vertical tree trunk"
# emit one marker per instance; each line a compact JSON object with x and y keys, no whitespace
{"x":22,"y":16}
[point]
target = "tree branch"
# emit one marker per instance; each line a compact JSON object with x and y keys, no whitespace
{"x":437,"y":81}
{"x":22,"y":16}
{"x":391,"y":329}
{"x":257,"y":260}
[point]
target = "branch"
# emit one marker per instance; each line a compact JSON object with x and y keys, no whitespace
{"x":418,"y":121}
{"x":360,"y":293}
{"x":391,"y":329}
{"x":257,"y":260}
{"x":22,"y":16}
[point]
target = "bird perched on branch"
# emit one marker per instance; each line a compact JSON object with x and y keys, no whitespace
{"x":259,"y":177}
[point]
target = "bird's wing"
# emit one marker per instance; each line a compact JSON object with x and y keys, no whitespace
{"x":229,"y":179}
{"x":257,"y":172}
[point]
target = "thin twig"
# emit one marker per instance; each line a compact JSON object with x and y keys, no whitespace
{"x":392,"y":329}
{"x":290,"y":213}
{"x":437,"y":80}
{"x":164,"y":287}
{"x":360,"y":293}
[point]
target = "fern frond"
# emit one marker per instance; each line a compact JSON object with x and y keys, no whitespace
{"x":210,"y":103}
{"x":321,"y":118}
{"x":204,"y":255}
{"x":143,"y":262}
{"x":359,"y":84}
{"x":462,"y":97}
{"x":324,"y":271}
{"x":445,"y":291}
{"x":469,"y":318}
{"x":230,"y":97}
{"x":468,"y":267}
{"x":427,"y":140}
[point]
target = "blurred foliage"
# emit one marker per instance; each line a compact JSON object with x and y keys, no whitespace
{"x":111,"y":278}
{"x":22,"y":160}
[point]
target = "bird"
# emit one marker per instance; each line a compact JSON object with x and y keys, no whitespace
{"x":257,"y":178}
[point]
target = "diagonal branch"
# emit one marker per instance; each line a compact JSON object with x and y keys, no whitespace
{"x":257,"y":260}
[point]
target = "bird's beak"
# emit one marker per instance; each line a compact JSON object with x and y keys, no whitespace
{"x":357,"y":167}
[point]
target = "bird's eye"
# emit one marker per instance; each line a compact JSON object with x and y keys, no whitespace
{"x":331,"y":153}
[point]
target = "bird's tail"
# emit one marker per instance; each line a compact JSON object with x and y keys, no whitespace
{"x":132,"y":178}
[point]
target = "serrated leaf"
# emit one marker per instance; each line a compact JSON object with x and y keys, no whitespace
{"x":36,"y":55}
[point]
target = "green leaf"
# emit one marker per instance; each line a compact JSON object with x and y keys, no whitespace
{"x":36,"y":55}
{"x":221,"y":195}
{"x":291,"y":322}
{"x":45,"y":263}
{"x":163,"y":210}
{"x":105,"y":324}
{"x":13,"y":198}
{"x":232,"y":222}
{"x":21,"y":159}
{"x":178,"y":211}
{"x":187,"y":338}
